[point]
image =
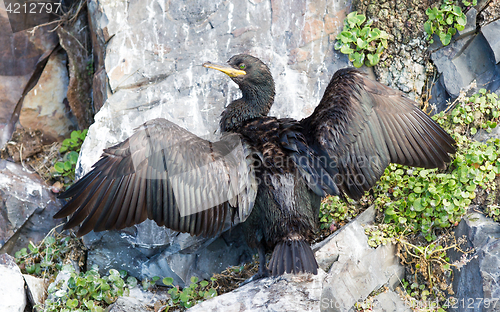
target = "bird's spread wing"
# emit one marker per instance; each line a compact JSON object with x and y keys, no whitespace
{"x":165,"y":173}
{"x":361,"y":126}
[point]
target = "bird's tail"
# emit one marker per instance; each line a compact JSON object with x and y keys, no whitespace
{"x":293,"y":255}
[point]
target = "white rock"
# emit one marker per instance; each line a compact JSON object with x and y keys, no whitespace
{"x":37,"y":287}
{"x":12,"y":295}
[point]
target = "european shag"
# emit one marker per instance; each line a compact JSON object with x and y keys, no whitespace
{"x":270,"y":173}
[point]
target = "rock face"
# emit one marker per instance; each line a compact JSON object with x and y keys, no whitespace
{"x":37,"y":288}
{"x":139,"y":301}
{"x":479,"y":278}
{"x":285,"y":293}
{"x":12,"y":296}
{"x":349,"y":271}
{"x":490,"y":32}
{"x":17,"y":66}
{"x":26,"y":207}
{"x":471,"y":56}
{"x":43,"y":107}
{"x":148,"y":251}
{"x":152,"y":52}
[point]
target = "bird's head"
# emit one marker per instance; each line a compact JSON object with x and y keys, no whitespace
{"x":251,"y":75}
{"x":245,"y":70}
{"x":256,"y":83}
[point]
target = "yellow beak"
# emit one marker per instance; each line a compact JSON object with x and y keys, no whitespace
{"x":226,"y":69}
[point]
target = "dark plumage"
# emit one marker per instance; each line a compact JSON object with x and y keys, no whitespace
{"x":269,"y":172}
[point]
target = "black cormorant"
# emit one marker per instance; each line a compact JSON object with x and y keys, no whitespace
{"x":271,"y":173}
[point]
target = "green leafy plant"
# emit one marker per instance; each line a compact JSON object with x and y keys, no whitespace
{"x":74,"y":142}
{"x":380,"y":234}
{"x":190,"y":295}
{"x":70,"y":148}
{"x":468,"y":4}
{"x":66,"y":168}
{"x":47,"y":257}
{"x":333,"y":210}
{"x":363,"y":44}
{"x":87,"y":291}
{"x":445,"y":20}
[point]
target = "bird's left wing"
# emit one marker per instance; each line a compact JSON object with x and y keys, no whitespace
{"x":360,"y":126}
{"x":165,"y":173}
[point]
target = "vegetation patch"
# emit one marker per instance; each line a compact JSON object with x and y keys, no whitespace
{"x":47,"y":258}
{"x":362,"y":43}
{"x":69,"y":149}
{"x":445,"y":20}
{"x":86,"y":291}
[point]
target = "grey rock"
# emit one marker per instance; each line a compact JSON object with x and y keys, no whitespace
{"x":357,"y":269}
{"x":26,"y":207}
{"x":353,"y":279}
{"x":439,"y":96}
{"x":46,"y":110}
{"x":490,"y":32}
{"x":138,"y":301}
{"x":479,"y":277}
{"x":284,"y":293}
{"x":351,"y":238}
{"x":144,"y":254}
{"x":471,"y":22}
{"x":390,"y":301}
{"x":152,"y":52}
{"x":483,"y":136}
{"x":406,"y":71}
{"x":12,"y":295}
{"x":37,"y":287}
{"x":464,"y":61}
{"x":19,"y":54}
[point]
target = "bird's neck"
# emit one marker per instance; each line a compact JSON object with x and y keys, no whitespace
{"x":256,"y":102}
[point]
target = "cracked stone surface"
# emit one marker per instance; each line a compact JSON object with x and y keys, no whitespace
{"x":479,"y":277}
{"x":26,"y":207}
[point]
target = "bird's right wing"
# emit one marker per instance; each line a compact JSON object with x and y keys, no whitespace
{"x":165,"y":173}
{"x":361,"y":126}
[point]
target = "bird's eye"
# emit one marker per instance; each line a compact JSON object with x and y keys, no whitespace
{"x":242,"y":66}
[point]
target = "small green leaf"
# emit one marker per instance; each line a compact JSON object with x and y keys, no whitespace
{"x":361,"y":18}
{"x":361,"y":43}
{"x":59,"y":167}
{"x":67,"y":166}
{"x":346,"y":49}
{"x":168,"y":281}
{"x":428,"y":28}
{"x":203,"y":283}
{"x":449,"y":19}
{"x":462,"y":20}
{"x":432,"y":13}
{"x":73,"y":157}
{"x":445,"y":38}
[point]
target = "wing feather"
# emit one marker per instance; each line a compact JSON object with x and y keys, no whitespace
{"x":363,"y":125}
{"x":166,"y":174}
